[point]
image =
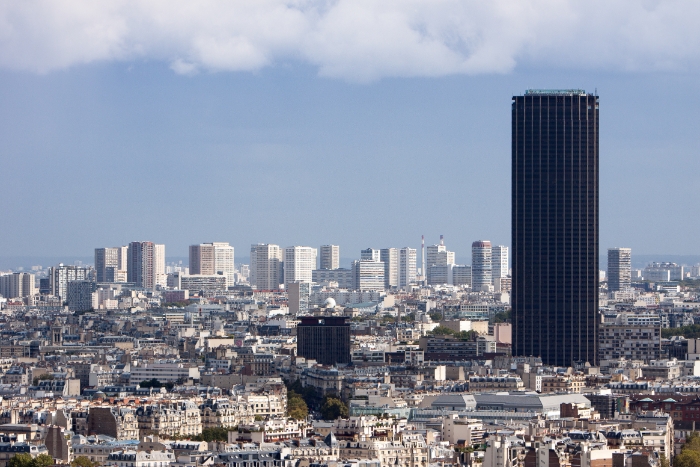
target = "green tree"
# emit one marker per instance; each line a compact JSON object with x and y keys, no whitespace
{"x":502,"y":317}
{"x":333,"y":408}
{"x":689,"y":332}
{"x":82,"y":461}
{"x":467,"y":335}
{"x":42,"y":377}
{"x":150,"y":383}
{"x":442,"y":331}
{"x":690,"y":283}
{"x":690,"y":454}
{"x":218,"y":433}
{"x":692,"y":442}
{"x":296,"y":406}
{"x":409,"y":318}
{"x":687,"y":458}
{"x":42,"y":460}
{"x":387,"y":318}
{"x":308,"y":393}
{"x":436,"y":316}
{"x":21,"y":460}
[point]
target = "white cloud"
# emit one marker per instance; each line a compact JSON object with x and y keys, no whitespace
{"x":359,"y":40}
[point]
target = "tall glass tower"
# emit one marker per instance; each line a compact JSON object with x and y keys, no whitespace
{"x":555,"y":226}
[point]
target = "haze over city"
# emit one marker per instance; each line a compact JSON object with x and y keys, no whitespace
{"x":346,"y":123}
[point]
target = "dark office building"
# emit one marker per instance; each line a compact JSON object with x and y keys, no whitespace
{"x":555,"y":226}
{"x":607,"y":405}
{"x":324,"y":339}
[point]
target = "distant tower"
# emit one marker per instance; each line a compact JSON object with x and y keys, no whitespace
{"x":619,"y":268}
{"x":439,"y":262}
{"x":224,"y":261}
{"x":330,"y":257}
{"x":499,"y":262}
{"x":370,"y":254}
{"x":422,"y":256}
{"x":407,"y":266}
{"x":61,"y":275}
{"x":146,"y":264}
{"x":482,"y":277}
{"x":111,"y":264}
{"x":390,"y":258}
{"x":266,"y":266}
{"x":159,"y":275}
{"x":202,"y":259}
{"x":105,"y":258}
{"x":213,"y":258}
{"x":299,"y":263}
{"x":298,"y":293}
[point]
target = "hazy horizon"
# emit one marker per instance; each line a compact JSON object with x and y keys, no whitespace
{"x":353,"y":124}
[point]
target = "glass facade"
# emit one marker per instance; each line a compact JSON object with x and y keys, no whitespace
{"x":555,"y":226}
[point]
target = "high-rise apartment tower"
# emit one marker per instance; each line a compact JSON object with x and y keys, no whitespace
{"x":499,"y":262}
{"x":390,"y":258}
{"x":266,"y":266}
{"x":17,"y":285}
{"x":111,"y":264}
{"x":370,"y":254}
{"x":555,"y":226}
{"x":438,"y":261}
{"x":202,"y":259}
{"x":299,"y":263}
{"x":407,"y":266}
{"x":146,"y":264}
{"x":482,"y":278}
{"x":61,"y":275}
{"x":330,"y":257}
{"x":619,"y":268}
{"x":213,"y":258}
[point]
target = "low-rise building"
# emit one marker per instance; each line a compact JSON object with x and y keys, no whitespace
{"x":173,"y":418}
{"x":163,"y":372}
{"x":149,"y":458}
{"x":495,"y":383}
{"x":10,"y":450}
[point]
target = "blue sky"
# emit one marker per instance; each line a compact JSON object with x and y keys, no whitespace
{"x":150,"y":138}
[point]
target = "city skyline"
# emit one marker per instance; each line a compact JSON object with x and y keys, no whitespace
{"x":203,"y":142}
{"x":102,"y":136}
{"x":639,"y":261}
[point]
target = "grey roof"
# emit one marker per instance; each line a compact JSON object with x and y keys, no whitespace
{"x":527,"y":402}
{"x":330,"y":440}
{"x":454,"y":402}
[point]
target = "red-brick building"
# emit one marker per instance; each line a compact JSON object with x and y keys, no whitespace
{"x":680,"y":407}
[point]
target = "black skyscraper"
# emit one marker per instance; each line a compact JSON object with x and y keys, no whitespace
{"x":324,"y":339}
{"x":555,"y":226}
